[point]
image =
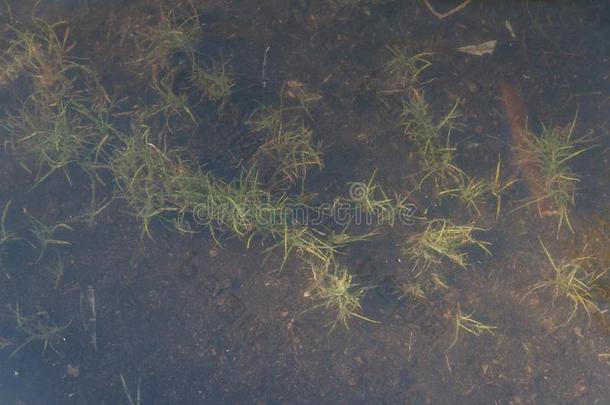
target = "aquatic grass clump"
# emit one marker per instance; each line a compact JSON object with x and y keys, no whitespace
{"x":292,"y":151}
{"x":431,"y":139}
{"x":42,"y":54}
{"x":404,"y":70}
{"x":497,"y":187}
{"x":141,"y":171}
{"x":411,"y":291}
{"x":470,"y":190}
{"x":37,"y":327}
{"x":170,"y":103}
{"x":572,"y":281}
{"x":55,"y":136}
{"x":335,"y":288}
{"x":298,"y":94}
{"x":64,"y":120}
{"x":289,"y":150}
{"x":170,"y":36}
{"x":214,"y":82}
{"x":157,"y":184}
{"x":373,"y":200}
{"x":442,"y":240}
{"x":468,"y":324}
{"x":241,"y":206}
{"x":550,"y":151}
{"x":248,"y":211}
{"x":45,"y":235}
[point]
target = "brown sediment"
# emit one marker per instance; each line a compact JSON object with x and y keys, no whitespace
{"x":515,"y":112}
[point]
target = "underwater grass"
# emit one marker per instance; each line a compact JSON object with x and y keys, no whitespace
{"x":171,"y":104}
{"x":44,"y":235}
{"x":160,"y":42}
{"x":471,"y":191}
{"x":404,"y":70}
{"x":141,"y":172}
{"x":214,"y":82}
{"x":130,"y":399}
{"x":64,"y":120}
{"x":442,"y":240}
{"x":55,"y":137}
{"x":288,"y":151}
{"x":550,"y":151}
{"x":497,"y":187}
{"x":335,"y":288}
{"x":431,"y":139}
{"x":37,"y":327}
{"x":571,"y":281}
{"x":42,"y":54}
{"x":468,"y":324}
{"x":372,"y":200}
{"x":291,"y":152}
{"x":411,"y":291}
{"x":6,"y":236}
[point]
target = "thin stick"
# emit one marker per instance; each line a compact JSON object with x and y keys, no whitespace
{"x":448,"y":13}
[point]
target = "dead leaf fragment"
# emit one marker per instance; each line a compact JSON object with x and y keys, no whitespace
{"x":483,"y":48}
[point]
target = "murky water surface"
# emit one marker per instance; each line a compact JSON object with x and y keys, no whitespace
{"x":334,"y":201}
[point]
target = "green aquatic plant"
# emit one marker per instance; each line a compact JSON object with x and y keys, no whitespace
{"x":288,"y":153}
{"x":214,"y":82}
{"x":266,"y":119}
{"x":431,"y":139}
{"x":373,"y":200}
{"x":468,"y":324}
{"x":411,"y":291}
{"x":335,"y":288}
{"x":57,"y":269}
{"x":171,"y":104}
{"x":54,"y":136}
{"x":42,"y":54}
{"x":6,"y":236}
{"x":45,"y":235}
{"x":38,"y":327}
{"x":442,"y":240}
{"x":63,"y":122}
{"x":550,"y":152}
{"x":402,"y":69}
{"x":470,"y":190}
{"x":142,"y":171}
{"x":497,"y":188}
{"x":170,"y":36}
{"x":572,"y":281}
{"x":299,"y":95}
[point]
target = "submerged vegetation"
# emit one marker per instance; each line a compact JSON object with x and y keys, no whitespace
{"x":334,"y":286}
{"x":468,"y":324}
{"x":572,"y":281}
{"x":403,"y":70}
{"x":214,"y":83}
{"x":470,"y":190}
{"x":38,"y":327}
{"x":442,"y":240}
{"x":431,"y":139}
{"x":186,"y":151}
{"x":550,"y":151}
{"x":373,"y":201}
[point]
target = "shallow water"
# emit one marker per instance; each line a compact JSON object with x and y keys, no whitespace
{"x":208,"y":318}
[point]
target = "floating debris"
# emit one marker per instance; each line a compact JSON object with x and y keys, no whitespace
{"x":88,"y":314}
{"x":509,"y":27}
{"x":481,"y":49}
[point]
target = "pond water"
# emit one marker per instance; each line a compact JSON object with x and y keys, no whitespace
{"x":332,"y":201}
